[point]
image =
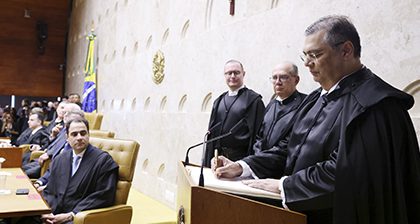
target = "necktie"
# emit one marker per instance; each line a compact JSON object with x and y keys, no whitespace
{"x":76,"y":161}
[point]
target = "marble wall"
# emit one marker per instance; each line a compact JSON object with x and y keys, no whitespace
{"x":196,"y":38}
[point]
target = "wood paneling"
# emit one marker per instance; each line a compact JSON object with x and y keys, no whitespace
{"x":23,"y":71}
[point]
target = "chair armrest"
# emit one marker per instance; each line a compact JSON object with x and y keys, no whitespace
{"x":120,"y":214}
{"x":36,"y":155}
{"x":25,"y":147}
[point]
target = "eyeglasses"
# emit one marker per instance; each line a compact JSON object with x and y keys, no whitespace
{"x":309,"y":57}
{"x":282,"y":78}
{"x":313,"y":57}
{"x":234,"y":73}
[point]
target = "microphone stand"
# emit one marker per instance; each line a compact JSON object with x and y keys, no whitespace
{"x":201,"y":180}
{"x":187,"y":159}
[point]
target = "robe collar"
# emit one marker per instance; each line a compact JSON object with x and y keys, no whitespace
{"x":235,"y":92}
{"x":288,"y":99}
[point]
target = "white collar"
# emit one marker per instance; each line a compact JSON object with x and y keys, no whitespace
{"x":278,"y":98}
{"x":36,"y":129}
{"x":335,"y":85}
{"x":80,"y":154}
{"x":235,"y":92}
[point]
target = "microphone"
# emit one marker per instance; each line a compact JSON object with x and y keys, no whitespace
{"x":234,"y":129}
{"x":187,"y":159}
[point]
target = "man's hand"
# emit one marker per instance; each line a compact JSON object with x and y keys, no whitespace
{"x":43,"y":158}
{"x":56,"y":129}
{"x":264,"y":184}
{"x":57,"y":219}
{"x":41,"y":188}
{"x":227,"y":168}
{"x":34,"y":147}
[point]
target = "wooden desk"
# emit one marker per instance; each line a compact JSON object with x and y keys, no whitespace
{"x":13,"y":205}
{"x":13,"y":156}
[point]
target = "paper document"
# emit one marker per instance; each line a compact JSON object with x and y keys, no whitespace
{"x":233,"y":185}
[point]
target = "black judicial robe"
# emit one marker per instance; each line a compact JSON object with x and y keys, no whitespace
{"x":246,"y":110}
{"x":274,"y":131}
{"x":354,"y":150}
{"x":277,"y":117}
{"x":92,"y":186}
{"x":41,"y":138}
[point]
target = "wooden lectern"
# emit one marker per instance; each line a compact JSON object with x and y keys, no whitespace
{"x":200,"y":205}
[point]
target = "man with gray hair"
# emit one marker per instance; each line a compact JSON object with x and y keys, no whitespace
{"x":279,"y":113}
{"x":353,"y":154}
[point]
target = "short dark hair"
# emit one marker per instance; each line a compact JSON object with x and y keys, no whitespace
{"x":235,"y":61}
{"x":338,"y":29}
{"x":77,"y":120}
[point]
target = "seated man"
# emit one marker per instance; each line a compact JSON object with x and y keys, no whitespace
{"x":33,"y":168}
{"x":86,"y":174}
{"x":58,"y":121}
{"x":37,"y":135}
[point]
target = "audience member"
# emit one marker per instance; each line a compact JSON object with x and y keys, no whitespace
{"x":8,"y":127}
{"x":86,"y":174}
{"x":75,"y":98}
{"x":37,"y":136}
{"x":71,"y":111}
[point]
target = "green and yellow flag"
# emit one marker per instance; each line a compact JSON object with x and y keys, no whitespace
{"x":89,"y":89}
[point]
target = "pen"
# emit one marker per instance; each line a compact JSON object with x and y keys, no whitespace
{"x":215,"y":158}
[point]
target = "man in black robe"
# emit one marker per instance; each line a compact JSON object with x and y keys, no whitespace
{"x":37,"y":136}
{"x":280,"y":111}
{"x":239,"y":108}
{"x":81,"y":179}
{"x":353,"y":154}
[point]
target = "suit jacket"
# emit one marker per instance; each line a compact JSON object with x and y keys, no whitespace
{"x":92,"y":186}
{"x":41,"y":137}
{"x":53,"y":150}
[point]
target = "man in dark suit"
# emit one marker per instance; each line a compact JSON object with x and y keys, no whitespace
{"x":353,"y":154}
{"x":86,"y":174}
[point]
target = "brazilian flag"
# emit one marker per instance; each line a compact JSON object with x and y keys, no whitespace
{"x":89,"y":89}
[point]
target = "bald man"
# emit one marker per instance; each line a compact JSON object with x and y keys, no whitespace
{"x":280,"y":111}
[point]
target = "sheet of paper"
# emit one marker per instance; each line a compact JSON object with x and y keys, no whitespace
{"x":234,"y":185}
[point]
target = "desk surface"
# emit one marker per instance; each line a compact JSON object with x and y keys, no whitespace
{"x":13,"y":205}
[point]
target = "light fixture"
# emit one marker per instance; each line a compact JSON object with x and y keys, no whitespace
{"x":27,"y":13}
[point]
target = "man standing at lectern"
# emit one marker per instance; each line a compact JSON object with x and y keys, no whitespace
{"x":239,"y":107}
{"x":353,"y":155}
